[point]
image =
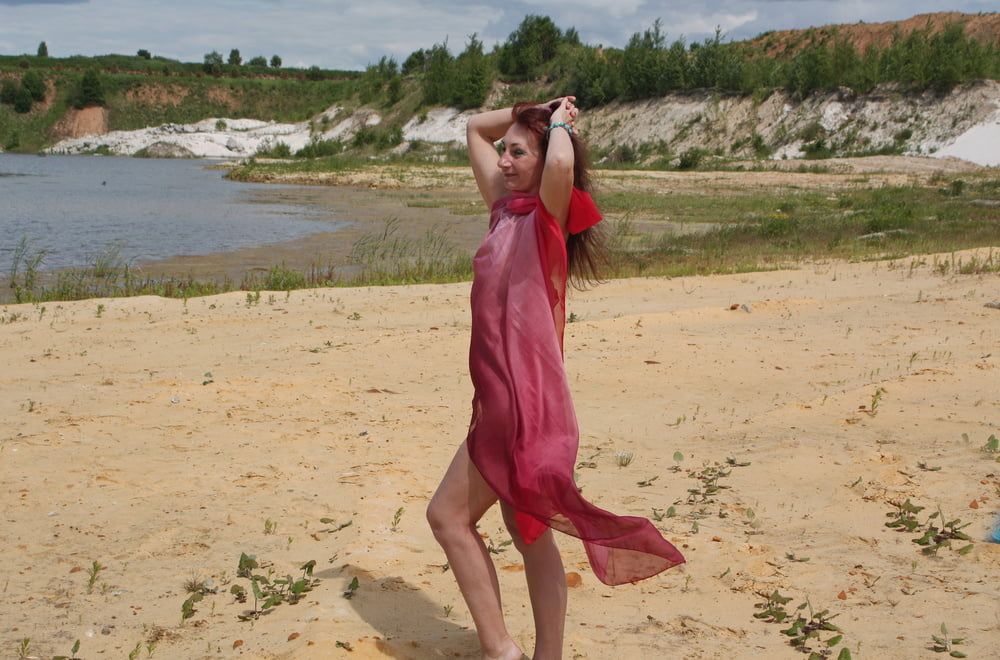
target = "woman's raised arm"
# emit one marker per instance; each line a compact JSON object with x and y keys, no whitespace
{"x":482,"y":131}
{"x":557,"y":177}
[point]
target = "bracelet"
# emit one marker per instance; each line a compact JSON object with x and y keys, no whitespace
{"x":560,"y":124}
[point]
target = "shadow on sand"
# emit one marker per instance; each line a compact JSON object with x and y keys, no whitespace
{"x":411,"y":625}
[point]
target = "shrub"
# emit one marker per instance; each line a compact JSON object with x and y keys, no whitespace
{"x":8,"y":91}
{"x":32,"y":81}
{"x":691,"y":159}
{"x":275,"y":62}
{"x":90,"y":91}
{"x":22,"y":100}
{"x":259,"y":60}
{"x":213,"y":63}
{"x":235,"y":59}
{"x":144,"y":54}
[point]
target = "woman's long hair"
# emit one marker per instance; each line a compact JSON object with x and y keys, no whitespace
{"x":586,"y":252}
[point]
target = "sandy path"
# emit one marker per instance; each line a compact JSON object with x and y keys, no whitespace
{"x":348,"y":403}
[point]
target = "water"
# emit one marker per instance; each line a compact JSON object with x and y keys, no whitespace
{"x":76,"y":207}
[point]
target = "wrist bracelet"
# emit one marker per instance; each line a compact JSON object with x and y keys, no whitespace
{"x":560,"y":124}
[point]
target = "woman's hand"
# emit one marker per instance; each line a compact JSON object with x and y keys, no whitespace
{"x":565,"y":112}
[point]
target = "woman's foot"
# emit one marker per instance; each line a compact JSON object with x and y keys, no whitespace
{"x":508,"y":651}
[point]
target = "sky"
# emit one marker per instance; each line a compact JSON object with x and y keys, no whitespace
{"x":349,"y":35}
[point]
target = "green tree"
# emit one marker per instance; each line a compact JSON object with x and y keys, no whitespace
{"x":259,"y":60}
{"x":33,"y":82}
{"x":438,"y":76}
{"x":275,"y":62}
{"x":90,"y":91}
{"x":213,"y":63}
{"x":471,"y":79}
{"x":531,"y":45}
{"x":415,"y":62}
{"x":235,"y":59}
{"x":22,"y":100}
{"x":642,"y":65}
{"x":144,"y":54}
{"x":43,"y":50}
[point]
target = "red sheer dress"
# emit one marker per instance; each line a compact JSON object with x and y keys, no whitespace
{"x":523,"y":436}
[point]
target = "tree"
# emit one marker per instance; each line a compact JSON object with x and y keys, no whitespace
{"x":416,"y":62}
{"x":314,"y":73}
{"x":43,"y":50}
{"x":32,"y":81}
{"x":260,"y":61}
{"x":471,"y":78}
{"x":437,"y":79}
{"x":144,"y":54}
{"x":90,"y":91}
{"x":213,"y":63}
{"x":234,"y":57}
{"x":532,"y":44}
{"x":275,"y":62}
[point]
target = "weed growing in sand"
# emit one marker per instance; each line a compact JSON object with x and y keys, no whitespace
{"x":447,"y":610}
{"x":187,"y":607}
{"x":709,"y":477}
{"x":815,"y":635}
{"x":269,"y":593}
{"x":24,"y":649}
{"x":623,"y":458}
{"x":100,"y":310}
{"x":270,"y":526}
{"x":396,"y":518}
{"x":572,"y":318}
{"x":992,"y":447}
{"x":660,"y":514}
{"x":253,"y":298}
{"x":92,"y":574}
{"x":344,"y":645}
{"x":354,"y":316}
{"x":936,"y":532}
{"x":352,"y":588}
{"x":678,"y":458}
{"x":72,"y":653}
{"x":648,"y":482}
{"x":946,"y":644}
{"x":872,"y":408}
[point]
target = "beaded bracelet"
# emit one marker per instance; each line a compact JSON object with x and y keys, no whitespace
{"x":560,"y":124}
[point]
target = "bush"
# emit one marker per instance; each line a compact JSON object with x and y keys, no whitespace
{"x":90,"y":91}
{"x":32,"y":81}
{"x":314,"y":73}
{"x":320,"y":149}
{"x":691,"y":159}
{"x":22,"y":100}
{"x":275,"y":62}
{"x":213,"y":63}
{"x":274,"y":150}
{"x":144,"y":54}
{"x":8,"y":91}
{"x":235,"y":59}
{"x":260,"y":61}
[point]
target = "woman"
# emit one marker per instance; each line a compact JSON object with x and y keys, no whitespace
{"x":522,"y":442}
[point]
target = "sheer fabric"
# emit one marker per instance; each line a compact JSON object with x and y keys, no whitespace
{"x":523,"y":436}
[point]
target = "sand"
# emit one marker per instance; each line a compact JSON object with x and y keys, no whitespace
{"x":159,"y":437}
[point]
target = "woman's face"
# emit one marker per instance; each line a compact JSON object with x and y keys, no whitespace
{"x":521,"y":161}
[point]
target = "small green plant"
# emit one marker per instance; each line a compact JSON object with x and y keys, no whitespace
{"x":876,"y":400}
{"x":187,"y":607}
{"x":648,"y":482}
{"x":623,"y":458}
{"x":935,"y":533}
{"x":24,"y":649}
{"x":815,"y":635}
{"x":396,"y":518}
{"x":270,"y":526}
{"x":946,"y":644}
{"x":100,"y":310}
{"x":992,"y":446}
{"x":92,"y":574}
{"x":72,"y":653}
{"x":447,"y":610}
{"x":678,"y":459}
{"x":354,"y":316}
{"x":344,"y":645}
{"x":207,"y":378}
{"x":352,"y":588}
{"x":253,"y":298}
{"x":572,"y":318}
{"x":267,"y":592}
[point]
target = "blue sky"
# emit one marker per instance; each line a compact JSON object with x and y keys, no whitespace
{"x":349,"y":35}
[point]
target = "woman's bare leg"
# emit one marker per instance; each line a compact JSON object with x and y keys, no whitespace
{"x":543,"y":569}
{"x":460,"y":501}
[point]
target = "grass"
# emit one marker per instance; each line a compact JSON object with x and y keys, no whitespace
{"x":743,"y":230}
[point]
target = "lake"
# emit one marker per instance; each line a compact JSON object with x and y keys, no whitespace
{"x":76,"y":207}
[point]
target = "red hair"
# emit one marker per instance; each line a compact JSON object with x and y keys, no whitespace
{"x":586,"y":252}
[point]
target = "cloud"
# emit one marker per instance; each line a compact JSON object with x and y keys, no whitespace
{"x":348,"y":34}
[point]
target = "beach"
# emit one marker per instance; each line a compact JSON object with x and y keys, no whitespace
{"x":162,"y":438}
